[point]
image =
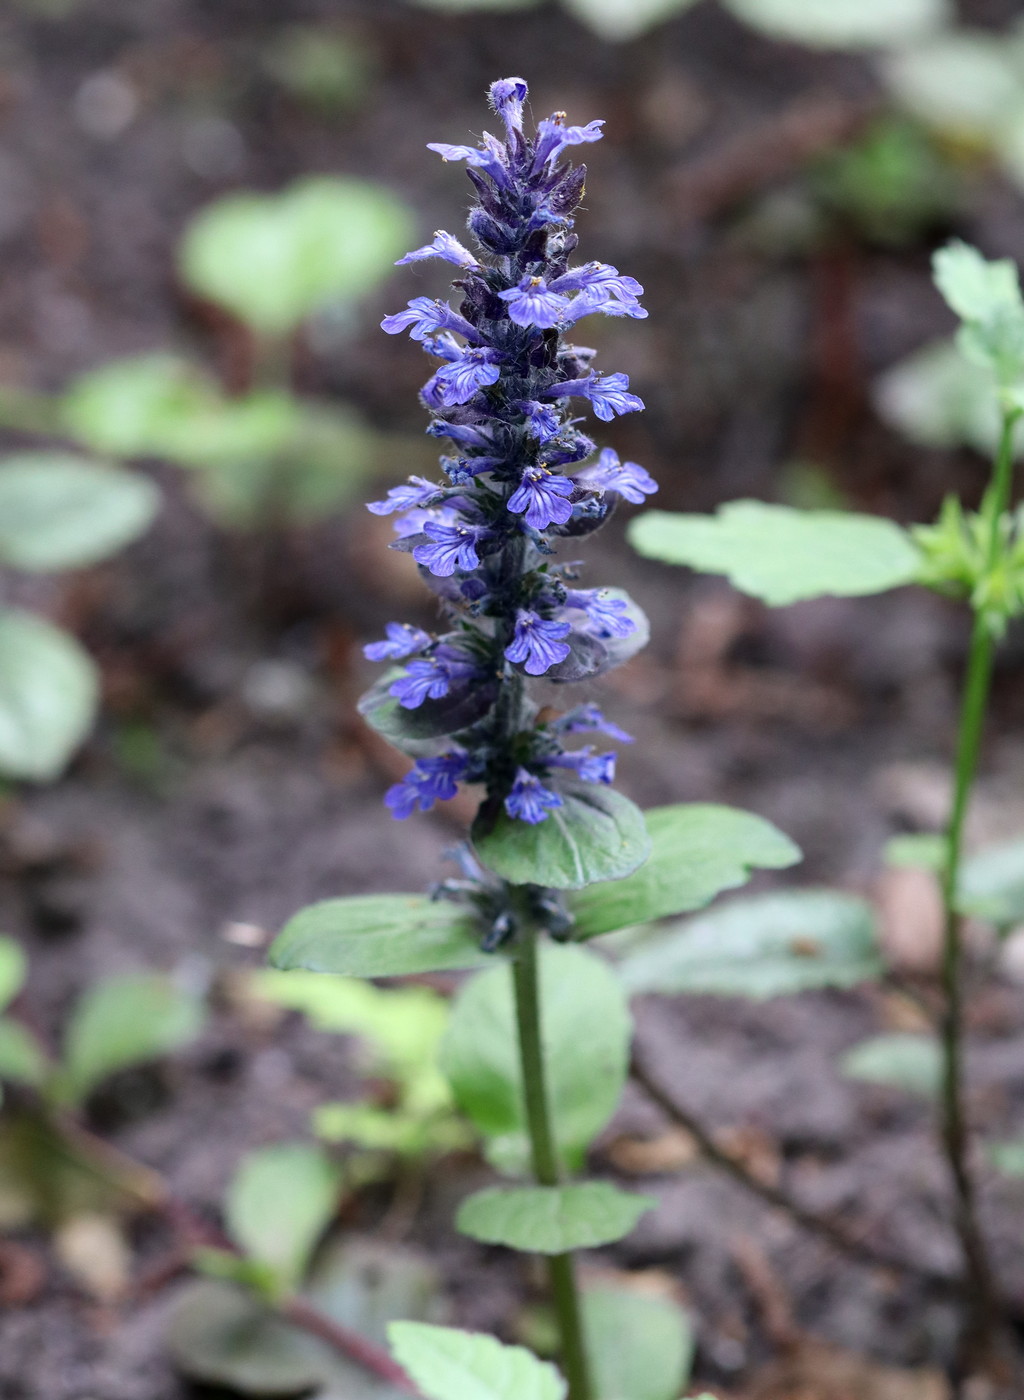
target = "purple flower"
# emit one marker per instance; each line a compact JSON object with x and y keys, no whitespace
{"x":606,"y":616}
{"x":451,"y":547}
{"x":553,"y":136}
{"x":430,"y":780}
{"x":402,"y":640}
{"x":491,"y":159}
{"x":460,"y":380}
{"x":444,"y":246}
{"x":459,"y":432}
{"x":529,"y":800}
{"x":544,"y":498}
{"x":431,"y":678}
{"x":626,"y":479}
{"x":507,"y":96}
{"x":606,"y":392}
{"x":602,"y":288}
{"x":425,"y":317}
{"x":588,"y":719}
{"x":587,"y":765}
{"x":536,"y":644}
{"x":532,"y":303}
{"x":542,"y":420}
{"x":416,"y":492}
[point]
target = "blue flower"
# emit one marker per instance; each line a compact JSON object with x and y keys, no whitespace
{"x":588,"y":766}
{"x":606,"y":392}
{"x":532,"y":303}
{"x":431,"y":677}
{"x":425,"y":317}
{"x":507,"y":96}
{"x":602,"y":288}
{"x":606,"y":616}
{"x":451,"y":547}
{"x":626,"y":479}
{"x":430,"y":780}
{"x":542,"y":421}
{"x":464,"y":433}
{"x":416,"y":492}
{"x":402,"y":640}
{"x":444,"y":246}
{"x":529,"y":800}
{"x":553,"y":136}
{"x":588,"y":719}
{"x":544,"y":498}
{"x":536,"y":644}
{"x":460,"y":380}
{"x":492,"y":158}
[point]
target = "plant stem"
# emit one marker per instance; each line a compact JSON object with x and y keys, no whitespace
{"x":565,"y":1295}
{"x":954,"y":1128}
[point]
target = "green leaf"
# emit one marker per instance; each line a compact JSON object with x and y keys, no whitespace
{"x":13,"y":970}
{"x":938,"y":399}
{"x":61,"y":512}
{"x":1007,"y":1157}
{"x":615,"y":21}
{"x":48,"y":692}
{"x":365,"y":1285}
{"x":991,"y":884}
{"x":640,"y":1347}
{"x":925,"y":850}
{"x":22,"y":1058}
{"x":697,"y":851}
{"x":422,"y":731}
{"x":380,"y":935}
{"x":783,"y":555}
{"x":975,"y":288}
{"x":902,"y":1059}
{"x":450,"y":1365}
{"x":279,"y":1204}
{"x":596,"y":835}
{"x":274,"y":259}
{"x":125,"y":1021}
{"x":763,"y":946}
{"x":130,"y":408}
{"x":844,"y":24}
{"x":552,"y":1219}
{"x":586,"y":1029}
{"x":962,"y":82}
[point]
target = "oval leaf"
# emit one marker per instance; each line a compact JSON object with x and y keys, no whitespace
{"x":963,"y":81}
{"x":844,"y":24}
{"x":130,"y":408}
{"x":765,"y":946}
{"x":596,"y":835}
{"x":279,"y":1204}
{"x":586,"y":1033}
{"x":552,"y":1219}
{"x":450,"y":1365}
{"x":938,"y":399}
{"x":22,"y":1058}
{"x":782,"y":555}
{"x":48,"y":692}
{"x":697,"y":851}
{"x":380,"y":935}
{"x":640,"y":1346}
{"x":903,"y":1059}
{"x":992,"y":884}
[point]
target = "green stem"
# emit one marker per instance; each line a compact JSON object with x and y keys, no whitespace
{"x":955,"y":1136}
{"x":564,"y":1292}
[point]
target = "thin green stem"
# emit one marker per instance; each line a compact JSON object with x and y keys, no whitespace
{"x":564,"y":1292}
{"x":955,"y":1134}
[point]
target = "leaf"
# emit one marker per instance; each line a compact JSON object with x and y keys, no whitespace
{"x":416,"y":732}
{"x":22,"y":1058}
{"x":586,"y":1029}
{"x":552,"y":1219}
{"x":697,"y":851}
{"x":902,"y":1059}
{"x":925,"y":850}
{"x":450,"y":1365}
{"x":763,"y":946}
{"x":938,"y":399}
{"x":274,"y":259}
{"x":781,"y":555}
{"x":962,"y":82}
{"x":596,"y":835}
{"x":974,"y":287}
{"x":48,"y":692}
{"x":130,"y":408}
{"x":379,"y":935}
{"x":13,"y":970}
{"x":279,"y":1204}
{"x":991,"y":884}
{"x":640,"y":1347}
{"x":364,"y":1285}
{"x":844,"y":23}
{"x":1007,"y":1157}
{"x":615,"y":21}
{"x":62,"y":512}
{"x":125,"y":1021}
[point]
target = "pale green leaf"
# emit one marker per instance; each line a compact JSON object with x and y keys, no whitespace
{"x":991,"y":884}
{"x":938,"y":399}
{"x":13,"y":970}
{"x":586,"y":1033}
{"x":844,"y":23}
{"x":125,"y":1021}
{"x":22,"y":1058}
{"x":762,"y":946}
{"x":457,"y":7}
{"x":380,"y":935}
{"x":902,"y":1059}
{"x":129,"y":408}
{"x":618,"y":20}
{"x":698,"y":850}
{"x":925,"y":850}
{"x":962,"y":82}
{"x":596,"y":835}
{"x":974,"y":287}
{"x":640,"y":1346}
{"x":48,"y":693}
{"x":552,"y":1219}
{"x":366,"y":1284}
{"x":62,"y":512}
{"x":781,"y":555}
{"x":450,"y":1365}
{"x":279,"y":1203}
{"x":1007,"y":1157}
{"x":274,"y":259}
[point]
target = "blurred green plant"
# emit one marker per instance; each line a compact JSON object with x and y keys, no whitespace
{"x":327,"y":69}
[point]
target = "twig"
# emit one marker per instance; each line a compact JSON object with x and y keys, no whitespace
{"x":836,"y":1235}
{"x":351,"y":1345}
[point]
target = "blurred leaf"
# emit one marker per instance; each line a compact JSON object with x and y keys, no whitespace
{"x":1007,"y":1157}
{"x":274,"y":259}
{"x":124,"y":1021}
{"x":781,"y":555}
{"x":379,"y":935}
{"x":598,"y":834}
{"x":640,"y":1347}
{"x":130,"y":408}
{"x":586,"y":1029}
{"x":451,"y":1365}
{"x":22,"y":1058}
{"x":13,"y":970}
{"x":902,"y":1059}
{"x":938,"y":399}
{"x":844,"y":23}
{"x":61,"y":512}
{"x":48,"y":692}
{"x":552,"y":1219}
{"x":991,"y":884}
{"x":926,"y":850}
{"x":365,"y":1285}
{"x":624,"y":19}
{"x":698,"y":850}
{"x":962,"y":82}
{"x":976,"y":288}
{"x":278,"y":1205}
{"x":464,"y":6}
{"x":762,"y":946}
{"x":324,"y":68}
